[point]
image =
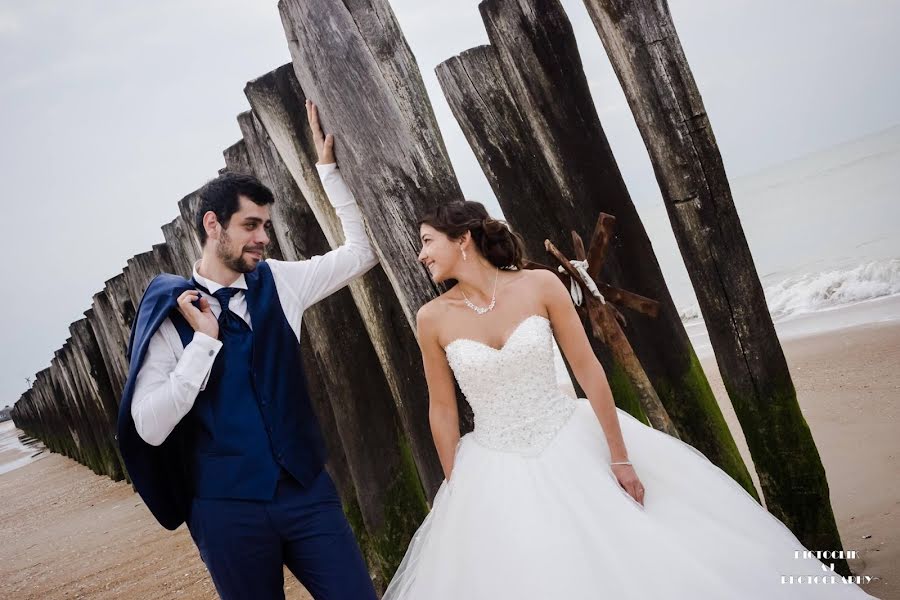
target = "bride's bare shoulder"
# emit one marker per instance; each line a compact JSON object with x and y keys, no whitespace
{"x":539,"y":279}
{"x":430,"y":314}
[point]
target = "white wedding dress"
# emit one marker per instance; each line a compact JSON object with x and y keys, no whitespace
{"x":533,"y":511}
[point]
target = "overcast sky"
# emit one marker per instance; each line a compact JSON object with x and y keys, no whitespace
{"x":112,"y":111}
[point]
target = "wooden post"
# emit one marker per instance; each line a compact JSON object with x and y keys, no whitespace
{"x":278,"y":105}
{"x":237,"y":159}
{"x":643,"y":46}
{"x":387,"y":139}
{"x":112,"y":339}
{"x":141,"y":270}
{"x":524,"y":105}
{"x":67,"y":418}
{"x":183,"y":246}
{"x":92,"y":426}
{"x":95,"y":391}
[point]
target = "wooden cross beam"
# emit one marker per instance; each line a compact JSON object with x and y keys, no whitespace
{"x":605,"y":318}
{"x":595,"y":257}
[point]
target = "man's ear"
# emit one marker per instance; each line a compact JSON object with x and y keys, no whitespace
{"x":211,"y":224}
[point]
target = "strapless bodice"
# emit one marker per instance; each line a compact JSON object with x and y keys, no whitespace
{"x":513,"y":392}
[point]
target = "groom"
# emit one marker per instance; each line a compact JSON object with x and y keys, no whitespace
{"x":215,"y":424}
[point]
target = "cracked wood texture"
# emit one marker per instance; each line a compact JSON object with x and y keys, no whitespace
{"x":524,"y":105}
{"x":646,"y":54}
{"x":352,"y":60}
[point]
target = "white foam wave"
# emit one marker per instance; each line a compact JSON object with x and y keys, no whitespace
{"x":810,"y":292}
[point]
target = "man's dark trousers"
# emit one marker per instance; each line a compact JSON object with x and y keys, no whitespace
{"x":245,"y":542}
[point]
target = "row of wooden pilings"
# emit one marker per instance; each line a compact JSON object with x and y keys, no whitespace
{"x":525,"y":108}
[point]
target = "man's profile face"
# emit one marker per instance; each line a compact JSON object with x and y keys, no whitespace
{"x":241,"y":245}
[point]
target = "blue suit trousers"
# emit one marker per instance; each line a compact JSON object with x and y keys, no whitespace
{"x":245,"y":543}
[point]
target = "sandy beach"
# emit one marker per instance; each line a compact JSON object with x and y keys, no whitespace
{"x":848,"y":387}
{"x":68,"y":533}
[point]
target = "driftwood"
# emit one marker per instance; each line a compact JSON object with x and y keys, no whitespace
{"x":524,"y":105}
{"x":643,"y":46}
{"x":278,"y":105}
{"x":389,"y":497}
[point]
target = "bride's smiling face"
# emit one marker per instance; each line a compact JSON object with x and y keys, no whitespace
{"x":439,"y":253}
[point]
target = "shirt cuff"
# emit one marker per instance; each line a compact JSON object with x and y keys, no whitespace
{"x":326,"y":167}
{"x":196,"y":362}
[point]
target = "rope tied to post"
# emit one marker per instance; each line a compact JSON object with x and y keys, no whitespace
{"x":574,"y":289}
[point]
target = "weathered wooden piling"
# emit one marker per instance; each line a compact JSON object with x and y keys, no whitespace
{"x":83,"y":413}
{"x":236,"y":158}
{"x":646,"y":53}
{"x":278,"y":103}
{"x":524,"y":105}
{"x":184,"y":249}
{"x":112,"y":338}
{"x":99,"y":390}
{"x":387,"y":139}
{"x":61,"y":396}
{"x":141,"y":269}
{"x":163,"y":257}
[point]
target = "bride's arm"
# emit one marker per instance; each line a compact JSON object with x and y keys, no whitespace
{"x":442,"y":411}
{"x":573,"y":341}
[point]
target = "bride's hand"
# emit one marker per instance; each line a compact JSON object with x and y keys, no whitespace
{"x":324,"y":143}
{"x":629,"y":481}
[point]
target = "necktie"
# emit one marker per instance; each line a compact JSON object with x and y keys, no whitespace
{"x":228,"y":321}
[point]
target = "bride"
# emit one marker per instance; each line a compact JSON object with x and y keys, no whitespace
{"x":552,"y":497}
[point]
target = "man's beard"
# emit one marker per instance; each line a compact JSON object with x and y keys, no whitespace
{"x":236,"y":263}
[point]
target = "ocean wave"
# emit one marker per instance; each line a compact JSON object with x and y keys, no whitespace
{"x":812,"y":292}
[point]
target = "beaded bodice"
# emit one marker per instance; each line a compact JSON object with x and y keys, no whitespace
{"x":512,"y":391}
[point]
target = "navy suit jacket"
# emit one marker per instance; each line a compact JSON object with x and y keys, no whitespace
{"x":160,"y":474}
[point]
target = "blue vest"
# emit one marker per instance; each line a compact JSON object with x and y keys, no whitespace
{"x":253,"y":419}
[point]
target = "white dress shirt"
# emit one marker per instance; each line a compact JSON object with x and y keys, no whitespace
{"x":172,"y":375}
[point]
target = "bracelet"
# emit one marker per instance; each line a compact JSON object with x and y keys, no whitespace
{"x":624,"y":462}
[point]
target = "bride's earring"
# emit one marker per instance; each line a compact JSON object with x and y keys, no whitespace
{"x":464,"y":254}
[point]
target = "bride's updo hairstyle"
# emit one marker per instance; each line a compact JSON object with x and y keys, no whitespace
{"x":502,"y":247}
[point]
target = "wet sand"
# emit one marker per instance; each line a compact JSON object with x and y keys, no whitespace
{"x":68,"y":533}
{"x":848,"y":387}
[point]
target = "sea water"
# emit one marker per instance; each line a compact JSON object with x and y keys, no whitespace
{"x":823,"y":232}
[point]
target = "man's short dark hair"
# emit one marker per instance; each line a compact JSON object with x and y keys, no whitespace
{"x":220,"y":195}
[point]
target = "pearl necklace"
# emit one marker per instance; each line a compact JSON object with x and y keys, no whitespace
{"x":490,"y":306}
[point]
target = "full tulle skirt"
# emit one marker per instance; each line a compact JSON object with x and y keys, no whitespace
{"x":557,"y":525}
